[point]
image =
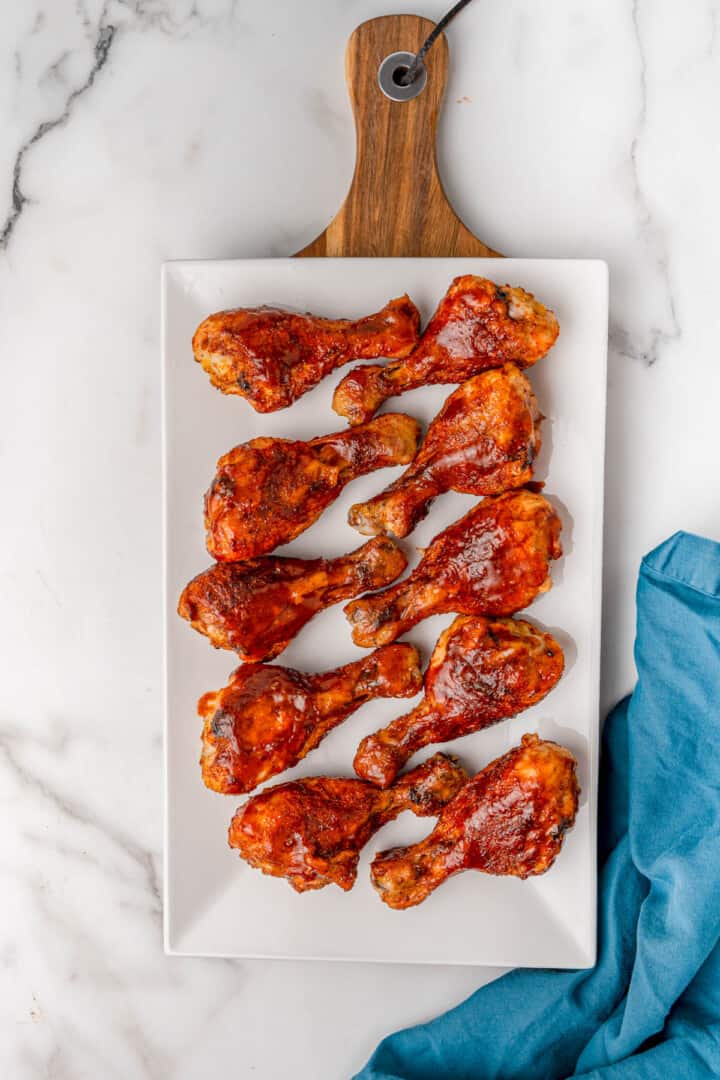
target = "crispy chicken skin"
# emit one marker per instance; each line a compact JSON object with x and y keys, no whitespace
{"x":271,"y":357}
{"x":267,"y":491}
{"x":477,"y":325}
{"x":482,"y":442}
{"x":481,"y":671}
{"x":493,"y":561}
{"x":311,"y":831}
{"x":256,"y":608}
{"x":508,"y":820}
{"x":268,"y":718}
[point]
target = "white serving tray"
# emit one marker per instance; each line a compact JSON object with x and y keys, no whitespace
{"x":216,"y":905}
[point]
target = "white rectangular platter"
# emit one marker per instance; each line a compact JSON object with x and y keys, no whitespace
{"x":216,"y":905}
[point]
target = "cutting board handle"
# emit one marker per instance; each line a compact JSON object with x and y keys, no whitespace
{"x":396,"y":205}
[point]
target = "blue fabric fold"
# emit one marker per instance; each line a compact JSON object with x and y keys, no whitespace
{"x":650,"y":1008}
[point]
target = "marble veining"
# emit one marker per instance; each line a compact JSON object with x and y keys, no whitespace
{"x":101,"y":49}
{"x":135,"y":131}
{"x":651,"y":233}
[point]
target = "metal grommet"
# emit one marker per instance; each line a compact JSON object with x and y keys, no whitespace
{"x":397,"y":64}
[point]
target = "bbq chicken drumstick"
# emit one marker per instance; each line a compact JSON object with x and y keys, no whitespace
{"x":271,"y":357}
{"x":312,"y":831}
{"x":256,"y":608}
{"x":268,"y":718}
{"x":508,"y":820}
{"x":477,"y":325}
{"x":481,"y":671}
{"x":482,"y":442}
{"x":493,"y":561}
{"x":267,"y":491}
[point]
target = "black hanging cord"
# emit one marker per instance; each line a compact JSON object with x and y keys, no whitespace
{"x":414,"y":70}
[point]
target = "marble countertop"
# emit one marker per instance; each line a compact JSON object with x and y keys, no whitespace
{"x":135,"y":131}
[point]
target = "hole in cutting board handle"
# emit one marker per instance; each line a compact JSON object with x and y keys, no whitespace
{"x":391,"y":70}
{"x":395,"y":206}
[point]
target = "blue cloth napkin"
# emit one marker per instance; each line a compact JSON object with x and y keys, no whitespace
{"x":650,"y":1009}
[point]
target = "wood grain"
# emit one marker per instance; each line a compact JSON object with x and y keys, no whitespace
{"x":396,"y":205}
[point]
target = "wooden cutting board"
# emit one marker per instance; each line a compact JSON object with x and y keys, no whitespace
{"x":396,"y":205}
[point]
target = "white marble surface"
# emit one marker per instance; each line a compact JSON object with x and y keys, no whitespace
{"x":134,"y":131}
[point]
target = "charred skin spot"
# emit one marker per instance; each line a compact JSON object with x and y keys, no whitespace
{"x":384,"y":615}
{"x":418,"y":797}
{"x":223,"y":486}
{"x":221,"y":724}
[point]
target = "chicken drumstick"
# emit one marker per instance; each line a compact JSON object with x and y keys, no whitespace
{"x":256,"y":608}
{"x":271,"y":357}
{"x":493,"y":561}
{"x":267,"y":491}
{"x":268,"y":718}
{"x":509,"y":820}
{"x":477,"y":325}
{"x":481,"y":671}
{"x":483,"y":441}
{"x":312,"y":831}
